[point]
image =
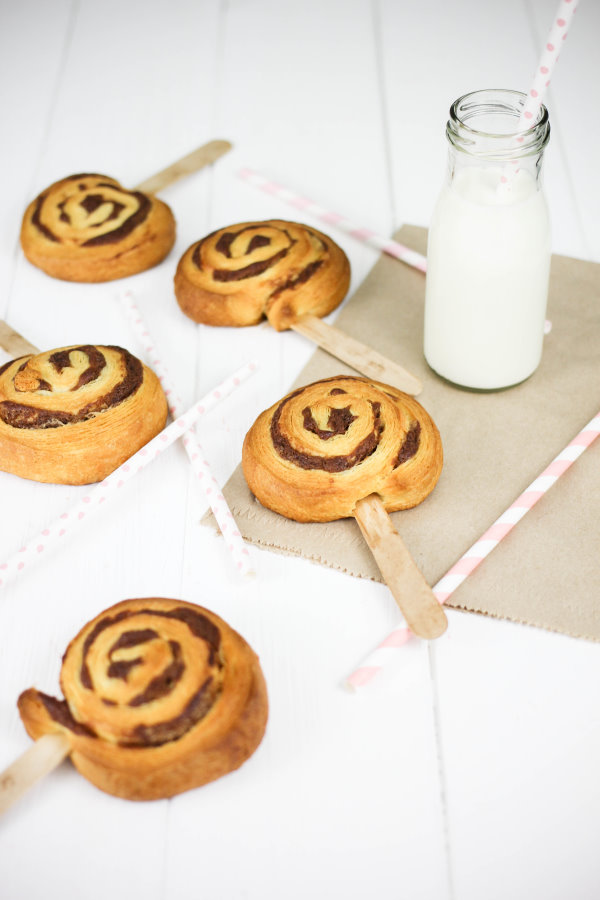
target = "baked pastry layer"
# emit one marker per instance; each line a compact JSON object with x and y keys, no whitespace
{"x":73,"y":415}
{"x":313,"y":455}
{"x":90,"y":228}
{"x":160,"y":696}
{"x":243,"y":273}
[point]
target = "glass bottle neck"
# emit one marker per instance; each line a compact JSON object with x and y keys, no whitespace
{"x":482,"y":132}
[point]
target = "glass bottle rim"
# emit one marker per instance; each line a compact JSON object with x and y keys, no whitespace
{"x":495,"y":144}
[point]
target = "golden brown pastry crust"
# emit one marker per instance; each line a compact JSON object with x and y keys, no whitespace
{"x":160,"y":696}
{"x":73,"y":415}
{"x":313,"y":455}
{"x":282,"y":270}
{"x":90,"y":228}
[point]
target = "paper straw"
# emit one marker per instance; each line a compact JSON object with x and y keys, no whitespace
{"x":547,"y":62}
{"x":208,"y":483}
{"x":541,"y":80}
{"x":100,"y":493}
{"x":454,"y":577}
{"x":387,"y":245}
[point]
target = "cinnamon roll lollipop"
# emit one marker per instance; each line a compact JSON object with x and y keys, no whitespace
{"x":90,"y":228}
{"x":243,"y":273}
{"x":352,"y":447}
{"x":314,"y":455}
{"x":161,"y":696}
{"x":72,"y":415}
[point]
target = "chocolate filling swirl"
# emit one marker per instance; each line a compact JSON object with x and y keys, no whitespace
{"x":91,"y":200}
{"x":195,"y":710}
{"x":198,"y":624}
{"x":59,"y":711}
{"x":253,"y":269}
{"x":299,"y":279}
{"x":36,"y":220}
{"x":122,"y":667}
{"x":127,"y":226}
{"x":22,"y":415}
{"x":410,"y":446}
{"x":165,"y":681}
{"x":197,"y":705}
{"x":339,"y":421}
{"x":249,"y":271}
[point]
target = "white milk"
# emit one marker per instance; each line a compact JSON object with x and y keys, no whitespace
{"x":488,"y":264}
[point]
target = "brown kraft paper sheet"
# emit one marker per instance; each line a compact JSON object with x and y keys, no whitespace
{"x":545,"y":571}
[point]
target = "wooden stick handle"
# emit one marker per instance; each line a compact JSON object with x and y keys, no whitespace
{"x":201,"y":157}
{"x":356,"y":354}
{"x":423,"y":613}
{"x":45,"y":755}
{"x":13,"y":342}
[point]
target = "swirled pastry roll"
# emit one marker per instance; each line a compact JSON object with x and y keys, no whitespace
{"x":72,"y":415}
{"x":315,"y":454}
{"x":160,"y":696}
{"x":89,"y":228}
{"x":279,"y":270}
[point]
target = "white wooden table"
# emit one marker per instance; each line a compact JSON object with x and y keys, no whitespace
{"x":468,"y":771}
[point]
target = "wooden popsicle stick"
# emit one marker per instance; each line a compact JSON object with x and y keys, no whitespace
{"x":45,"y":755}
{"x":423,"y":613}
{"x":203,"y":156}
{"x":13,"y":342}
{"x":356,"y":354}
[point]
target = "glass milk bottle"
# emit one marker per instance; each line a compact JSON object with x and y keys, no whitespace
{"x":488,"y":257}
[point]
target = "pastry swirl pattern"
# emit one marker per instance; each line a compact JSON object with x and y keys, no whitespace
{"x":322,"y":448}
{"x":74,"y":414}
{"x":243,"y":273}
{"x":159,"y":696}
{"x":89,"y":228}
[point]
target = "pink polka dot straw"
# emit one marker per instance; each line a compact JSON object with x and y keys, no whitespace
{"x":548,"y":59}
{"x":100,"y":493}
{"x":387,"y":245}
{"x":541,"y":80}
{"x":212,"y":491}
{"x":454,"y":577}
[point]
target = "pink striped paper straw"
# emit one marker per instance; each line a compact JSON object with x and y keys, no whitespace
{"x":200,"y":466}
{"x":387,"y":245}
{"x":550,"y":53}
{"x":469,"y":561}
{"x":93,"y":499}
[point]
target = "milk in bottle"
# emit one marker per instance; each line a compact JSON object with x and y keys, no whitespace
{"x":488,"y":255}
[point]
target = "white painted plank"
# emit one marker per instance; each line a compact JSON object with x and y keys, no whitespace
{"x":27,"y":105}
{"x":520,"y":740}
